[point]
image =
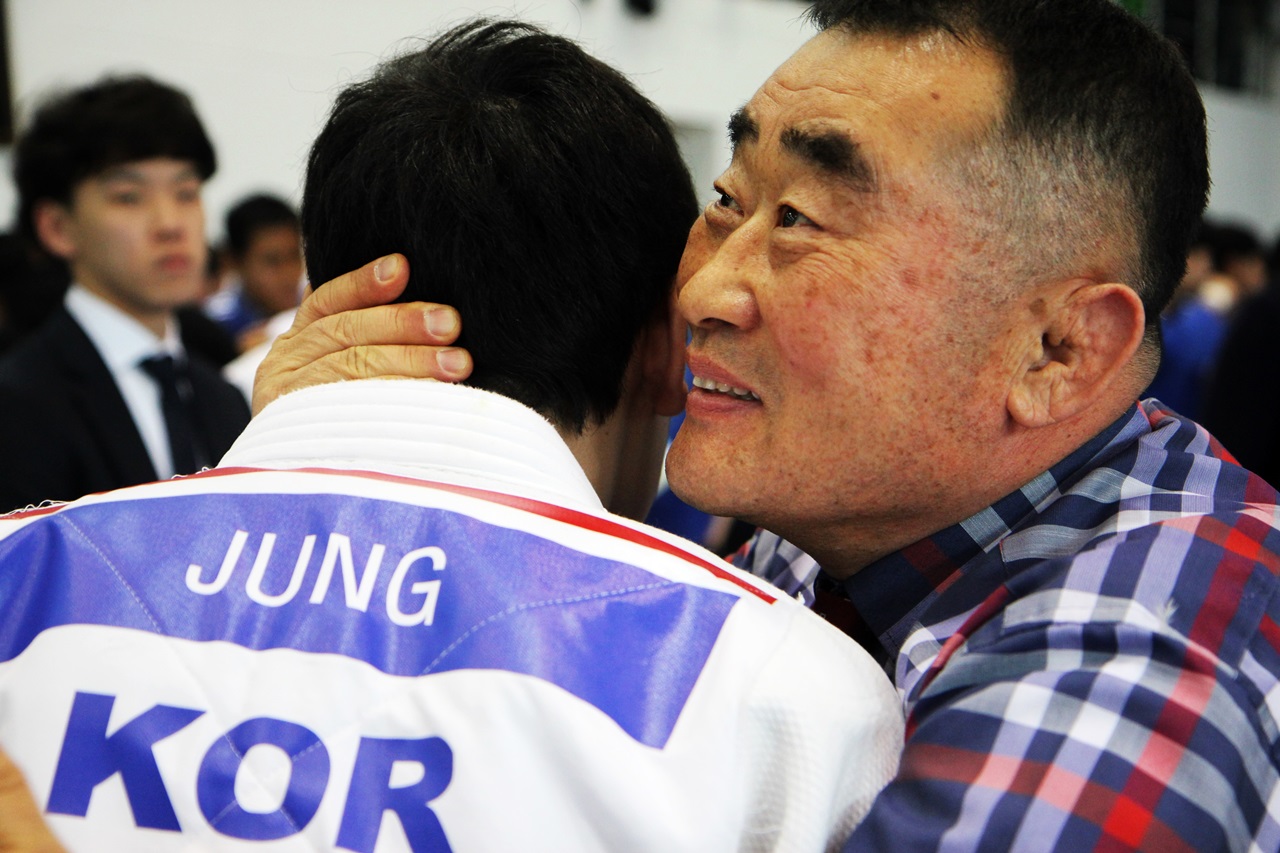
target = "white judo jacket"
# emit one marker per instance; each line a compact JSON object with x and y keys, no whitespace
{"x":398,"y":618}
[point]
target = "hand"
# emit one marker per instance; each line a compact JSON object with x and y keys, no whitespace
{"x":22,"y":829}
{"x":345,"y":330}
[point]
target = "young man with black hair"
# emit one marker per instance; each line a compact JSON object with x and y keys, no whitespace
{"x":103,"y":394}
{"x":263,"y":250}
{"x":427,"y":596}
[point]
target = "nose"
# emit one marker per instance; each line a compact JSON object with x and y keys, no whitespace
{"x":720,"y":276}
{"x":169,"y":216}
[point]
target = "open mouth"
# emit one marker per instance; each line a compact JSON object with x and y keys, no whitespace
{"x":722,"y":388}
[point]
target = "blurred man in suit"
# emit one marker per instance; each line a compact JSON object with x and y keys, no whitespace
{"x":103,"y":394}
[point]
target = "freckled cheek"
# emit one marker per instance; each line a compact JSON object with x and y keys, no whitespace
{"x":819,"y":319}
{"x":817,"y":341}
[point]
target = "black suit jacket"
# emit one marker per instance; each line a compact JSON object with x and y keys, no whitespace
{"x":65,"y":431}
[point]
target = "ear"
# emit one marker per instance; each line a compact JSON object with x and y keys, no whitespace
{"x":52,"y":221}
{"x":1088,"y":339}
{"x":661,"y":352}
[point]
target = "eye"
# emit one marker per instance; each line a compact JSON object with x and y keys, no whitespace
{"x":726,"y":201}
{"x":125,"y":197}
{"x":790,"y":217}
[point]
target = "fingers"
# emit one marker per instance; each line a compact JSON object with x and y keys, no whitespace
{"x":414,"y":323}
{"x":447,"y":364}
{"x":387,"y":361}
{"x":375,"y":283}
{"x":345,"y":330}
{"x":352,"y":310}
{"x":22,"y":828}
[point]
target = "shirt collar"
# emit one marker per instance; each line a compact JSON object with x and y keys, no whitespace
{"x":120,"y":340}
{"x":892,"y":593}
{"x":421,"y":429}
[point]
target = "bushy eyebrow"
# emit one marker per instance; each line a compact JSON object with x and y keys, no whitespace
{"x":833,"y":153}
{"x":829,"y":150}
{"x":742,"y":128}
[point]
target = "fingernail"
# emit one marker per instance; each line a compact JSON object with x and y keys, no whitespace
{"x":452,"y":361}
{"x":441,"y":321}
{"x":386,"y":268}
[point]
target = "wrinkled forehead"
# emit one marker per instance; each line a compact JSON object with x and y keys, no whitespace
{"x":856,"y":100}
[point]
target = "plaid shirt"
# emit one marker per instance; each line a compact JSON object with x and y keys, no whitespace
{"x":1091,"y":663}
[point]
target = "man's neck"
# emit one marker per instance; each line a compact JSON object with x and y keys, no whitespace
{"x":622,"y":458}
{"x":164,"y":332}
{"x":844,"y":547}
{"x":155,"y":321}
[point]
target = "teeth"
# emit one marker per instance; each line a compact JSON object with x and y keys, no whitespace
{"x":722,"y":388}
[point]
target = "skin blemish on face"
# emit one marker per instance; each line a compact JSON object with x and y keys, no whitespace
{"x":937,"y":96}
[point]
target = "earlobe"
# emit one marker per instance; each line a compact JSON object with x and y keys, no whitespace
{"x":663,"y":342}
{"x":1087,"y":343}
{"x":52,"y":223}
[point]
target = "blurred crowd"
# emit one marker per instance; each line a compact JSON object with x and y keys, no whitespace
{"x":1221,"y":361}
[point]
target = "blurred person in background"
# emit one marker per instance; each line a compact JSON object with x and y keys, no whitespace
{"x":201,"y":334}
{"x":263,"y":253}
{"x":1239,"y":267}
{"x":264,"y":263}
{"x":104,"y":394}
{"x":32,"y":285}
{"x":1242,"y":406}
{"x":1224,"y":264}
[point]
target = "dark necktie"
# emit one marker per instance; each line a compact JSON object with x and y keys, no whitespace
{"x":175,"y":403}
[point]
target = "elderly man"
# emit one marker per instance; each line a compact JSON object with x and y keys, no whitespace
{"x":932,"y":276}
{"x":922,"y":308}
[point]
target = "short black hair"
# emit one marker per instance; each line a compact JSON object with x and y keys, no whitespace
{"x":79,"y":133}
{"x":1231,"y":242}
{"x":530,"y":185}
{"x":1202,"y":235}
{"x":252,"y":214}
{"x":1101,"y":108}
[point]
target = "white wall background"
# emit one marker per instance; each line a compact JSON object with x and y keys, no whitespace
{"x":263,"y":73}
{"x":1244,"y":159}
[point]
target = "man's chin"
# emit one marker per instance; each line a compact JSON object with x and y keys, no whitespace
{"x":701,"y":488}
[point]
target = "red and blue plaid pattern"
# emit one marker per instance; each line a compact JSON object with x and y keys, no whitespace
{"x":1091,"y":663}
